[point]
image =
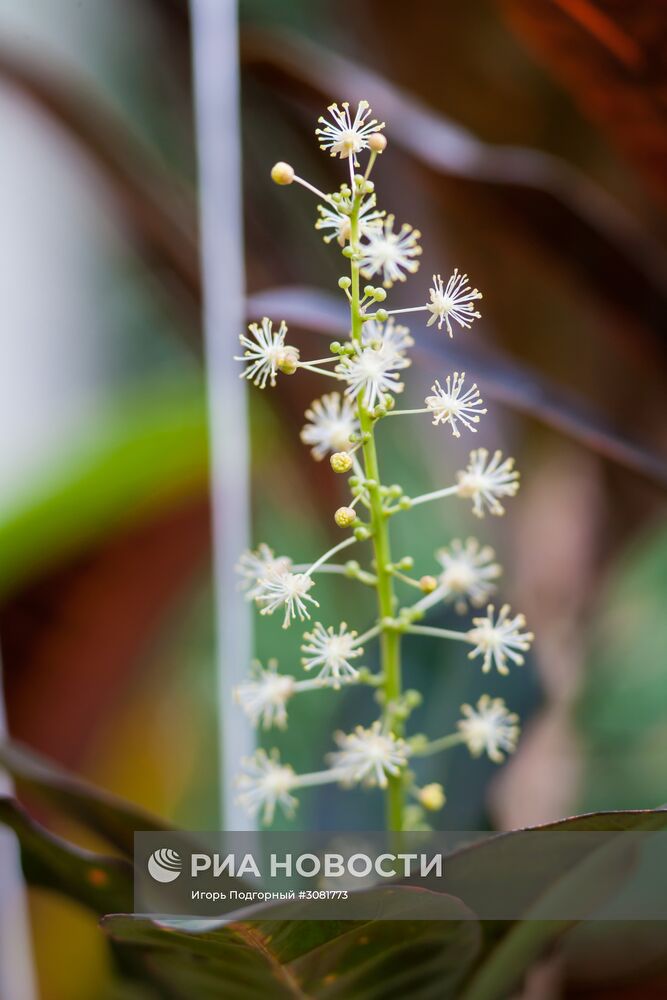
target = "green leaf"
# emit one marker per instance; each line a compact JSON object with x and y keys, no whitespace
{"x":585,"y":881}
{"x":149,"y":451}
{"x":99,"y":811}
{"x":101,"y":883}
{"x":367,"y":960}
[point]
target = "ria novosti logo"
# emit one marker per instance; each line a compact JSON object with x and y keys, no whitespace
{"x":165,"y":865}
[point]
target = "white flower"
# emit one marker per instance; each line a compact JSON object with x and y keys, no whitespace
{"x":345,"y":136}
{"x":332,"y":651}
{"x":393,"y":338}
{"x":265,"y":696}
{"x":332,"y":420}
{"x":368,"y":755}
{"x":499,"y":641}
{"x":265,"y":784}
{"x":370,"y":220}
{"x":489,"y":727}
{"x":288,"y":590}
{"x":373,"y":371}
{"x":485,"y":483}
{"x":265,"y":353}
{"x":450,"y":405}
{"x":389,"y":253}
{"x":254,"y":567}
{"x":468,"y":572}
{"x":456,"y":300}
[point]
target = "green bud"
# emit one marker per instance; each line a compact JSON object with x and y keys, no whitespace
{"x":362,"y":534}
{"x":381,"y":315}
{"x":380,"y":294}
{"x":405,"y":503}
{"x":347,"y":252}
{"x":344,"y":282}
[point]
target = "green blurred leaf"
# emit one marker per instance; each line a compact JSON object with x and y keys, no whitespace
{"x":101,"y":883}
{"x":371,"y":960}
{"x":102,"y":813}
{"x":148,"y":453}
{"x":622,"y":712}
{"x":586,"y":878}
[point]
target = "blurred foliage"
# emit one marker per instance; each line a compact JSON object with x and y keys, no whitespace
{"x":150,"y":451}
{"x":622,"y":712}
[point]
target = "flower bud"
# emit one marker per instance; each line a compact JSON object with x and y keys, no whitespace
{"x":362,"y":534}
{"x":344,"y":282}
{"x":432,"y":797}
{"x":377,"y":142}
{"x":382,"y":315}
{"x":427,"y":584}
{"x":341,"y":461}
{"x":380,"y":294}
{"x":282,"y":173}
{"x":345,"y":516}
{"x":288,"y":361}
{"x":412,"y":698}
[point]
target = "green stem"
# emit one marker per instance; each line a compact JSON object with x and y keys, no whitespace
{"x":438,"y":633}
{"x":436,"y":746}
{"x":390,"y":643}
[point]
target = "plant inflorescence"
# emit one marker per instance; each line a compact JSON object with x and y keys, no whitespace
{"x":367,"y":370}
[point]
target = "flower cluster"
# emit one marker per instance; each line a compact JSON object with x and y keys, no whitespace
{"x":368,"y":369}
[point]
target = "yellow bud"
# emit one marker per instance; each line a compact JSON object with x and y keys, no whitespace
{"x":282,"y":173}
{"x":377,"y":142}
{"x":341,"y":461}
{"x":345,"y":516}
{"x":432,"y":797}
{"x":428,"y":584}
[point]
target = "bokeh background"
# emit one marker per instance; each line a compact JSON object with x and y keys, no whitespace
{"x":527,"y":142}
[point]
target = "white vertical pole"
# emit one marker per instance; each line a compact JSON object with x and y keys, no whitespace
{"x":17,"y":981}
{"x":216,"y":85}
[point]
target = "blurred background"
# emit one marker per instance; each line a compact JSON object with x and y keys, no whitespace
{"x":527,"y":142}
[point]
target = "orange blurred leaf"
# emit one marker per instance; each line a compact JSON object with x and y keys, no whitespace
{"x":610,"y":55}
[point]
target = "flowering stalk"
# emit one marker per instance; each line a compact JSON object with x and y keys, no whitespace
{"x":368,"y":368}
{"x":390,"y":643}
